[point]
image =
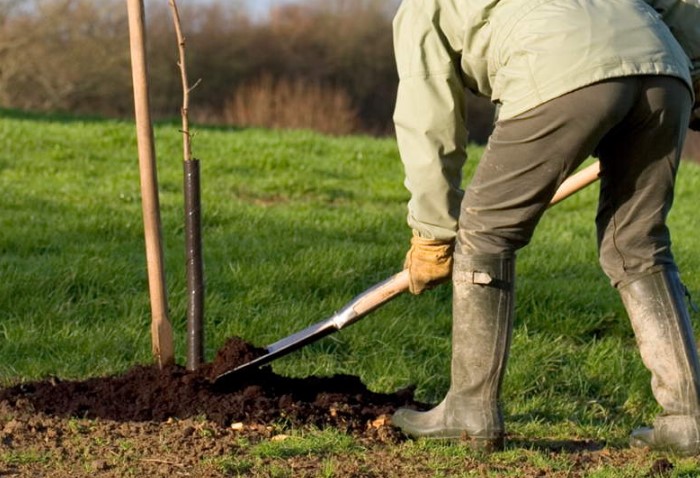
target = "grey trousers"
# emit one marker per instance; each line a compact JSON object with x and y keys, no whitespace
{"x":635,"y":126}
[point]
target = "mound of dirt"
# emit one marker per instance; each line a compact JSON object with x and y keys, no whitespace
{"x":148,"y":394}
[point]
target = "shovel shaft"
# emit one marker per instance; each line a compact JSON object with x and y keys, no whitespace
{"x":576,"y":182}
{"x":353,"y":311}
{"x":371,"y":299}
{"x":383,"y":292}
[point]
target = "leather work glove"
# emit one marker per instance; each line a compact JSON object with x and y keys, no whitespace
{"x":429,"y":263}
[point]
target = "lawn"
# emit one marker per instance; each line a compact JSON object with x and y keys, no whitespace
{"x":296,"y":224}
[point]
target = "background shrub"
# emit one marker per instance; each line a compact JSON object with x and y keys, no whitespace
{"x":292,"y":104}
{"x":330,"y":61}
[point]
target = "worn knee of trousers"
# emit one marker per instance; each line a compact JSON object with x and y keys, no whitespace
{"x":624,"y":268}
{"x":473,"y":241}
{"x":495,"y":231}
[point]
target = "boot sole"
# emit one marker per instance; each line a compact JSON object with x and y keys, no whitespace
{"x":690,"y":450}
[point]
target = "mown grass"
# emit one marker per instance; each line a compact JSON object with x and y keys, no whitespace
{"x":296,"y":224}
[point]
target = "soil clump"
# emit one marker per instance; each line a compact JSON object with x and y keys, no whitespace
{"x":148,"y":422}
{"x":148,"y":394}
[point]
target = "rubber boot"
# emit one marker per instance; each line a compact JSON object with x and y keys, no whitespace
{"x":656,"y":307}
{"x":482,"y":325}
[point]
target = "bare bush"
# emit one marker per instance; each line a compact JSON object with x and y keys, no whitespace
{"x":64,"y":55}
{"x":73,"y":56}
{"x":347,"y":43}
{"x":292,"y":104}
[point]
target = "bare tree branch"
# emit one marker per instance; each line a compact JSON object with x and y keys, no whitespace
{"x":186,"y":89}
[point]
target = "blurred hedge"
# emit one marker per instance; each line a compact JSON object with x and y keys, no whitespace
{"x":73,"y":56}
{"x":321,"y":64}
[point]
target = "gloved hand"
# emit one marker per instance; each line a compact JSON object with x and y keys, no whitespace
{"x":429,"y":263}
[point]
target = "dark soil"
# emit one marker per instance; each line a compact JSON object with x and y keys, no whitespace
{"x":146,"y":393}
{"x":165,"y":423}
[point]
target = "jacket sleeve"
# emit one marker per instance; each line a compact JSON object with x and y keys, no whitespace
{"x":430,"y":121}
{"x":683,"y":19}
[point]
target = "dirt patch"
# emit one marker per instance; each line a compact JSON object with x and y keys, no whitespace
{"x":148,"y":394}
{"x":148,"y":422}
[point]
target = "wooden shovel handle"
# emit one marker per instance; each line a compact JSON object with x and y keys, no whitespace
{"x":380,"y":294}
{"x":576,"y":182}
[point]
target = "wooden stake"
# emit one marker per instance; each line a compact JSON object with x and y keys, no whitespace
{"x":161,"y":329}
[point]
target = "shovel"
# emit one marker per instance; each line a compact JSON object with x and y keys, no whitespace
{"x":375,"y":297}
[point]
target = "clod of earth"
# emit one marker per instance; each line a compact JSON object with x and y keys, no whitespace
{"x":146,"y":393}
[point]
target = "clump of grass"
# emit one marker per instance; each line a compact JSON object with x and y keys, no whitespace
{"x":320,"y":443}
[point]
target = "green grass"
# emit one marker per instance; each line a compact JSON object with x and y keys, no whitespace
{"x":23,"y":458}
{"x":296,"y":224}
{"x":286,"y":240}
{"x":325,"y":442}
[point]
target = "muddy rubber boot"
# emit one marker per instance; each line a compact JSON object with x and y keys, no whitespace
{"x":482,"y":323}
{"x":656,"y":307}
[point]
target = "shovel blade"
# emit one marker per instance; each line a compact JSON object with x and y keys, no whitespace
{"x":280,"y":349}
{"x":357,"y":308}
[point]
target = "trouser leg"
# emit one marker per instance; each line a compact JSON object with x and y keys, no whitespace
{"x":639,"y":160}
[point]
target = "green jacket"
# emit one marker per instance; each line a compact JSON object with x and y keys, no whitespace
{"x":519,"y":53}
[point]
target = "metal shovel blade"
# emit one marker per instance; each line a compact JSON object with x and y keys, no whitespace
{"x":357,"y":308}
